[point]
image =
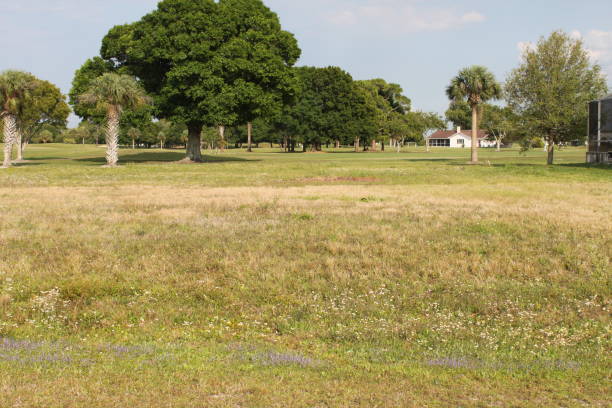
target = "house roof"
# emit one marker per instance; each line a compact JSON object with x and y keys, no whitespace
{"x":447,"y":134}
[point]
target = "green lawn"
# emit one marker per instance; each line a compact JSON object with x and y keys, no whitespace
{"x":329,"y":279}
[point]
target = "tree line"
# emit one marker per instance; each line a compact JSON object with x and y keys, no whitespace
{"x":199,"y":73}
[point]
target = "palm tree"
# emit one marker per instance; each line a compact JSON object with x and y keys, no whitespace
{"x":477,"y":85}
{"x":14,"y":88}
{"x":134,"y":133}
{"x":113,"y":93}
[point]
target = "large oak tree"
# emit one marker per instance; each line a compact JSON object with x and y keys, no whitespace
{"x":207,"y":63}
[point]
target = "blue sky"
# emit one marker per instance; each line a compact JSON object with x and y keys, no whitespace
{"x":419,"y":44}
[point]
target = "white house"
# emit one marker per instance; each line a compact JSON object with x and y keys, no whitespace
{"x":458,"y":139}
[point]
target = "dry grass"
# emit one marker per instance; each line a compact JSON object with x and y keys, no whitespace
{"x":347,"y":288}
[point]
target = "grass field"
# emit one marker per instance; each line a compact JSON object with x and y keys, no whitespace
{"x":305,"y":280}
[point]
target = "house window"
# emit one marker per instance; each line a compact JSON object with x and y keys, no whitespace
{"x":439,"y":142}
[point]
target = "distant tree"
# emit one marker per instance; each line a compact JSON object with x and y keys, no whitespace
{"x":45,"y":136}
{"x":111,"y":93}
{"x":551,"y":88}
{"x":390,"y":102}
{"x":459,"y":113}
{"x":475,"y":85}
{"x":15,"y":87}
{"x":134,"y":134}
{"x":163,"y":129}
{"x":330,"y":108}
{"x":44,"y":105}
{"x":420,"y":124}
{"x":500,"y":123}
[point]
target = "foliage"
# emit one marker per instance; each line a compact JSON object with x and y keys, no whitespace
{"x":500,"y":122}
{"x":15,"y":87}
{"x":113,"y":91}
{"x":459,"y":113}
{"x":474,"y":85}
{"x":330,"y":108}
{"x":391,"y":106}
{"x":551,"y":88}
{"x":420,"y":124}
{"x":208,"y":63}
{"x":45,"y":105}
{"x":92,"y":69}
{"x":44,"y":136}
{"x":254,"y":62}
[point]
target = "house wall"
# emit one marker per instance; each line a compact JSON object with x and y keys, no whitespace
{"x":456,"y":142}
{"x":457,"y":139}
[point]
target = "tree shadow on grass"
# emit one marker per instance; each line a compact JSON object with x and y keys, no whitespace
{"x":161,"y":157}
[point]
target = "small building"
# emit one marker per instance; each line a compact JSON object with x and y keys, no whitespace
{"x":458,"y":139}
{"x":600,"y":131}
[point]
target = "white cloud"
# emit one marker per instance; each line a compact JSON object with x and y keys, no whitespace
{"x":400,"y":15}
{"x":597,"y":43}
{"x":599,"y":46}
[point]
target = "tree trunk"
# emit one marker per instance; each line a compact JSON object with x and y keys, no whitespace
{"x":194,"y":142}
{"x":337,"y":144}
{"x":373,"y":145}
{"x":112,"y":136}
{"x":356,"y":145}
{"x":382,"y":146}
{"x":498,"y":145}
{"x":19,"y":143}
{"x":222,"y":137}
{"x":474,"y":134}
{"x":10,"y":129}
{"x":551,"y":153}
{"x":249,"y":136}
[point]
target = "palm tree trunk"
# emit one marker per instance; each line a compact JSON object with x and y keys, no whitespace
{"x":475,"y":134}
{"x":112,"y":136}
{"x":194,"y":152}
{"x":249,"y":136}
{"x":10,"y":129}
{"x":19,"y":143}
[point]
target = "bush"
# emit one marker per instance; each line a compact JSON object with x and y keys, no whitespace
{"x":537,"y":143}
{"x":69,"y":140}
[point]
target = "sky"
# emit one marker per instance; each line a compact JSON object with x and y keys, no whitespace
{"x":420,"y":44}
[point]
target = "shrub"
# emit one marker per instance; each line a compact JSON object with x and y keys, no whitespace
{"x":537,"y":143}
